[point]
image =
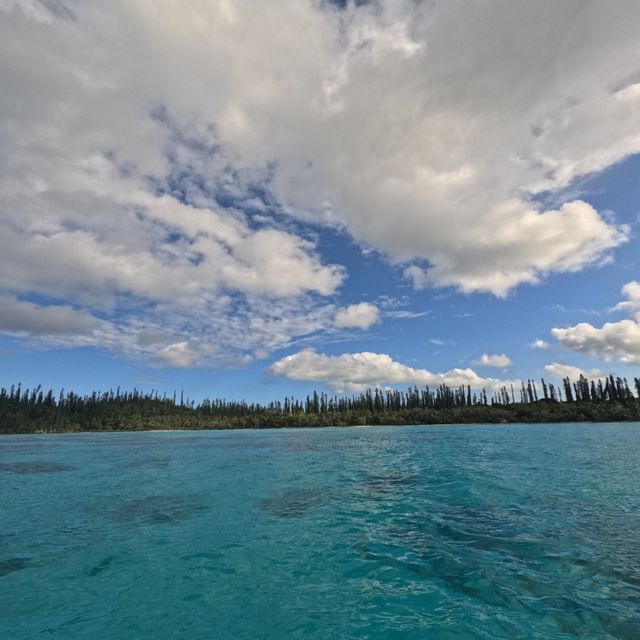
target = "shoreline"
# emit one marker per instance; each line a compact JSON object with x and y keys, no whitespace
{"x":311,"y":428}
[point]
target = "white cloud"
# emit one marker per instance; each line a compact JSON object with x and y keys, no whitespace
{"x":614,"y":340}
{"x":631,"y":305}
{"x":359,"y":316}
{"x":497,"y":360}
{"x":540,"y":344}
{"x":21,"y":316}
{"x":118,"y":211}
{"x":356,"y":371}
{"x":235,"y":334}
{"x":521,"y":245}
{"x":561,"y":371}
{"x":452,"y":178}
{"x":419,"y":277}
{"x":179,"y":354}
{"x":176,"y":252}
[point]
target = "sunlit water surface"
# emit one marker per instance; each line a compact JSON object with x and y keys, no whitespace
{"x":507,"y":531}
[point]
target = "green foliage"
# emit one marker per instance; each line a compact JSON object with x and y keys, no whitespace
{"x":599,"y":401}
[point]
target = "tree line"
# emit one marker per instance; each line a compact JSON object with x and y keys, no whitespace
{"x":37,"y":410}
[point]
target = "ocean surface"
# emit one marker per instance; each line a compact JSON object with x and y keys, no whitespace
{"x":456,"y":532}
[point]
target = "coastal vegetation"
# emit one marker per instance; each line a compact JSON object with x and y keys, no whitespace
{"x":36,"y":410}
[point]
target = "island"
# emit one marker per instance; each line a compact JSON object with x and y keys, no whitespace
{"x":583,"y":400}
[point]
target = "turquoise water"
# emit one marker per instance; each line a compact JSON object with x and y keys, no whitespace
{"x":510,"y":531}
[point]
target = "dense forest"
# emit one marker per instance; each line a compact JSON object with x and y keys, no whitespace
{"x":35,"y":411}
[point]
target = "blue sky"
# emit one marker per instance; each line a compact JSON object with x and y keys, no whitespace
{"x":393,"y":193}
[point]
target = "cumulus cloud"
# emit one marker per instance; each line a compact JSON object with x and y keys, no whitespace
{"x":136,"y":141}
{"x":356,"y":371}
{"x":359,"y":316}
{"x":614,"y":340}
{"x":497,"y":360}
{"x":520,"y":245}
{"x":561,"y":371}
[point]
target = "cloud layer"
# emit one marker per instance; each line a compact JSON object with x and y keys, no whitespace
{"x":158,"y":163}
{"x":432,"y":128}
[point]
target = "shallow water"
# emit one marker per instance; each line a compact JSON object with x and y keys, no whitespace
{"x":510,"y":531}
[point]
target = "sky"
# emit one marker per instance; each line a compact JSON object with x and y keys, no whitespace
{"x":253,"y":200}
